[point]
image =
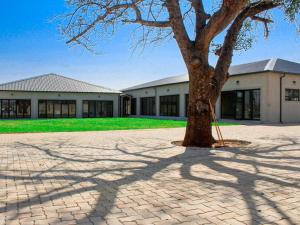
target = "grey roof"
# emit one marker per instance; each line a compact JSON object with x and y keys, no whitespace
{"x":54,"y":83}
{"x":274,"y":65}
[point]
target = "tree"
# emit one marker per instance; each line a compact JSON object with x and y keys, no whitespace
{"x":161,"y":18}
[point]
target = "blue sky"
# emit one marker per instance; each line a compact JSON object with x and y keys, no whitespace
{"x":30,"y":45}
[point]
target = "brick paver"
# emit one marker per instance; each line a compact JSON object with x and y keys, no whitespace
{"x":139,"y":177}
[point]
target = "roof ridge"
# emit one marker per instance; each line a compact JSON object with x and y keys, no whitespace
{"x":271,"y":64}
{"x":69,"y":78}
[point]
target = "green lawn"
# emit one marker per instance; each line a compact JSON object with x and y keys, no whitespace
{"x":95,"y":124}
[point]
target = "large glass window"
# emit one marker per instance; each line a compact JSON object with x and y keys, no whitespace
{"x":15,"y":108}
{"x":97,"y":108}
{"x":57,"y":109}
{"x":133,"y":106}
{"x":292,"y":94}
{"x":65,"y":109}
{"x":72,"y":109}
{"x":169,"y":105}
{"x":5,"y":109}
{"x":23,"y":108}
{"x":148,"y":106}
{"x":50,"y":109}
{"x":42,"y":109}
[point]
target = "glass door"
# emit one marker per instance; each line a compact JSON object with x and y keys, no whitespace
{"x":248,"y":105}
{"x":256,"y":104}
{"x":239,"y":107}
{"x":228,"y":104}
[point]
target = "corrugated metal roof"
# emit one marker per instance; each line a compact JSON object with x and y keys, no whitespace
{"x":54,"y":83}
{"x":275,"y":65}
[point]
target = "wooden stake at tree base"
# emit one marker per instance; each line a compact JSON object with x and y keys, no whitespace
{"x":220,"y":136}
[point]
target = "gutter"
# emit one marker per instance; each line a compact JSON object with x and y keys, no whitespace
{"x":280,"y":100}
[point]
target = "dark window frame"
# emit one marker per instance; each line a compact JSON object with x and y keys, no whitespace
{"x":54,"y":102}
{"x":15,"y":103}
{"x":292,"y":97}
{"x":169,"y":105}
{"x":148,"y":106}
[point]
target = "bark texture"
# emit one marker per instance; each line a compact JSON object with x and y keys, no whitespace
{"x":198,"y":130}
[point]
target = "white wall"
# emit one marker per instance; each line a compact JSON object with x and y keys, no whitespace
{"x":290,"y":109}
{"x":79,"y":97}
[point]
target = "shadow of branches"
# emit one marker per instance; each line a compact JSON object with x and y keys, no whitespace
{"x":110,"y":169}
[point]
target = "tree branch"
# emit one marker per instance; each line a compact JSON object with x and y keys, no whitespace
{"x":201,"y":15}
{"x":221,"y":19}
{"x":178,"y":28}
{"x":115,"y":8}
{"x":226,"y":51}
{"x":265,"y":21}
{"x":139,"y":20}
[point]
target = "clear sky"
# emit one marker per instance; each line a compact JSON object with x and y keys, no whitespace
{"x":31,"y":45}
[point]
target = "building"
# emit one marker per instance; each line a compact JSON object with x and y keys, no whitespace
{"x":55,"y":96}
{"x":266,"y":90}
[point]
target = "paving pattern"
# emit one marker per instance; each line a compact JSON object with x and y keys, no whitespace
{"x":139,"y":177}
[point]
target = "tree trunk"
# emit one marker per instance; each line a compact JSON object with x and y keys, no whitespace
{"x":199,"y":130}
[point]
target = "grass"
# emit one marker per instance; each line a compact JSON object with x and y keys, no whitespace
{"x":95,"y":124}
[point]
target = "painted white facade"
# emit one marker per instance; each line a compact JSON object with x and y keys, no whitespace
{"x":78,"y":97}
{"x":267,"y":82}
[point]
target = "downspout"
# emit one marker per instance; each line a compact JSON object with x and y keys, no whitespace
{"x":280,"y":110}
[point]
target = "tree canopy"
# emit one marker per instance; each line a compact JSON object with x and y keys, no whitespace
{"x":88,"y":20}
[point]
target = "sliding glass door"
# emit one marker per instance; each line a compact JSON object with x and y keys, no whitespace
{"x":241,"y":104}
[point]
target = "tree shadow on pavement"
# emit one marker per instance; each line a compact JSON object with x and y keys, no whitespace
{"x":131,"y":162}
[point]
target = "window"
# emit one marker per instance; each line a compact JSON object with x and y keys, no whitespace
{"x":133,"y":106}
{"x":23,"y":108}
{"x":5,"y":109}
{"x":42,"y":109}
{"x":50,"y":109}
{"x":292,"y":94}
{"x":57,"y":109}
{"x":148,"y":106}
{"x":72,"y":110}
{"x":97,"y":109}
{"x":15,"y":108}
{"x":169,"y":105}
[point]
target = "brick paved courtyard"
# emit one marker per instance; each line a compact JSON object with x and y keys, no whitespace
{"x":139,"y":177}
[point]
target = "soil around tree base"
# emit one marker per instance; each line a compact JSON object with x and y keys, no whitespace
{"x":228,"y":143}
